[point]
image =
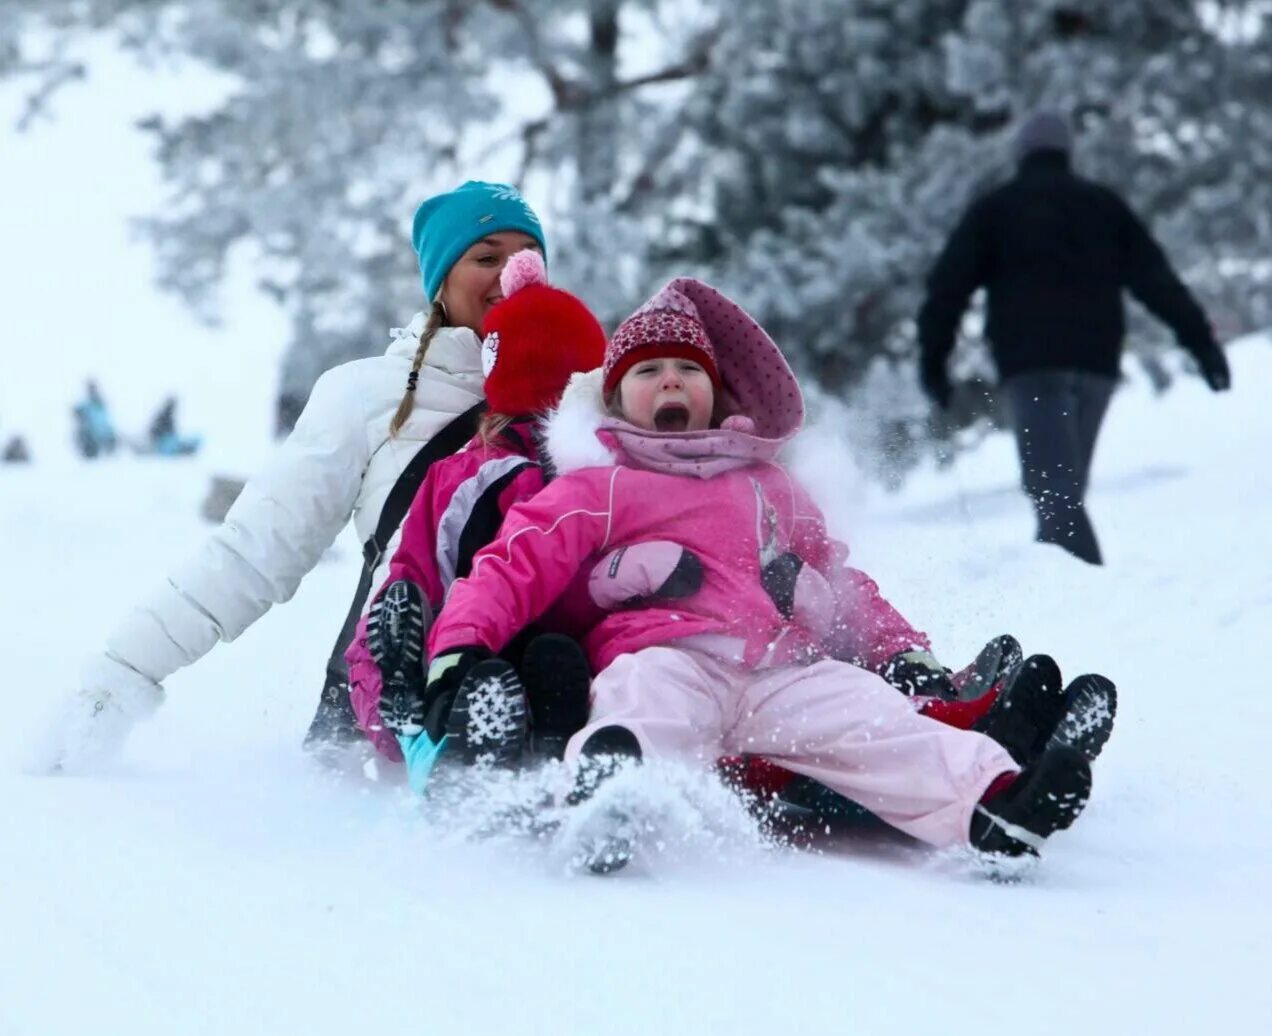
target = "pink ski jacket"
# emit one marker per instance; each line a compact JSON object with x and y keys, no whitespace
{"x":719,"y":493}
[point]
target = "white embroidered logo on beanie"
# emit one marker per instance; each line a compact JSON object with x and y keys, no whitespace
{"x":505,"y":192}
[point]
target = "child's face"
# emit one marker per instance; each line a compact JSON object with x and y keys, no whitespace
{"x":667,"y":394}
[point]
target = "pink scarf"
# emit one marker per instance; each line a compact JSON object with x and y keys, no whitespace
{"x":702,"y":454}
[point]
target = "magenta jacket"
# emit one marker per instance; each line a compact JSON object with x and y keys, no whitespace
{"x":457,"y":510}
{"x":719,"y":493}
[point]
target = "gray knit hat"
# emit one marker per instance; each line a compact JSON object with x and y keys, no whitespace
{"x":1043,"y":131}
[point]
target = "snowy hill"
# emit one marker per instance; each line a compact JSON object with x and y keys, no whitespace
{"x":219,"y":882}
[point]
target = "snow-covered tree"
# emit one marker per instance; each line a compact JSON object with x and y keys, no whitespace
{"x":809,"y":155}
{"x":841,"y":141}
{"x":345,"y":115}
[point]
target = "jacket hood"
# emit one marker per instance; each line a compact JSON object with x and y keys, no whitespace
{"x":760,"y":404}
{"x":757,"y":381}
{"x":569,"y":429}
{"x":456,"y":350}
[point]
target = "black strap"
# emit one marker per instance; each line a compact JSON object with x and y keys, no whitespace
{"x":334,"y":720}
{"x":443,"y":444}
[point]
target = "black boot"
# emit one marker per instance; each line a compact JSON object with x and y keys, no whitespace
{"x":609,"y":842}
{"x":334,"y":726}
{"x":558,"y":683}
{"x":1029,"y":707}
{"x":395,"y":638}
{"x":1090,"y":705}
{"x":1045,"y":798}
{"x":488,"y":722}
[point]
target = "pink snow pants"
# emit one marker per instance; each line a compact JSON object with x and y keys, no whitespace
{"x":840,"y":725}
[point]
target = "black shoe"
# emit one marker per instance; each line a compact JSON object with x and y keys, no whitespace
{"x":603,"y":754}
{"x":1045,"y":798}
{"x":395,"y":629}
{"x":488,"y":722}
{"x":991,"y":666}
{"x":395,"y":640}
{"x":1028,"y":709}
{"x":334,"y":726}
{"x":1090,"y":705}
{"x":608,"y":844}
{"x":558,"y":682}
{"x":609,"y":840}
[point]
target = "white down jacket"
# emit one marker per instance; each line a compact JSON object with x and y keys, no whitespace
{"x":338,"y":462}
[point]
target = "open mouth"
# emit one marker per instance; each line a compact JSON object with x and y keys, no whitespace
{"x":672,"y":417}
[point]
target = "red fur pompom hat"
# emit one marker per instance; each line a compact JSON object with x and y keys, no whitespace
{"x":666,"y":325}
{"x":536,"y":336}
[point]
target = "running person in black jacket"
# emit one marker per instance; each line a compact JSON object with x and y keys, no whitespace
{"x":1054,"y":253}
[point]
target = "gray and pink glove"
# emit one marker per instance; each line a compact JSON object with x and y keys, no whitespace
{"x":653,"y":570}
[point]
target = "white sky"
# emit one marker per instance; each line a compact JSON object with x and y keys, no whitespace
{"x":77,"y":287}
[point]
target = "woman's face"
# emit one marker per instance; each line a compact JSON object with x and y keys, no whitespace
{"x":472,"y":286}
{"x":667,"y":394}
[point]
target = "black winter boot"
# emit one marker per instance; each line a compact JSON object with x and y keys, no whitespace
{"x":1045,"y":798}
{"x":609,"y":842}
{"x":1090,"y":705}
{"x":1029,"y":707}
{"x":396,"y":626}
{"x":558,"y":683}
{"x":488,"y":723}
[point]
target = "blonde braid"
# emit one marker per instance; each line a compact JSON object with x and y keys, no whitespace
{"x":436,"y":317}
{"x":491,"y":426}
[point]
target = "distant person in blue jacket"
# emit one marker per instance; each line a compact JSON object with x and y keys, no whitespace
{"x":162,"y":437}
{"x":94,"y":432}
{"x":16,"y":451}
{"x":1054,"y":253}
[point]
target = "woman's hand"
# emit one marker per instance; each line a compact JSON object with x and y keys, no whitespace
{"x":95,"y":720}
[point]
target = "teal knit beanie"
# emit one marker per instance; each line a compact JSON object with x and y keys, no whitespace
{"x":447,"y":225}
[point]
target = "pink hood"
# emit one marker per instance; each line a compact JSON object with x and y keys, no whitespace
{"x":761,"y":399}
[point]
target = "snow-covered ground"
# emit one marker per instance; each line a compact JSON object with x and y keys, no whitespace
{"x":221,"y":882}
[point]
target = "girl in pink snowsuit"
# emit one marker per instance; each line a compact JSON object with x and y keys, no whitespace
{"x":535,"y":338}
{"x":772,"y":656}
{"x":546,"y":335}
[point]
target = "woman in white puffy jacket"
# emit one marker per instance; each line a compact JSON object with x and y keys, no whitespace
{"x":364,"y":423}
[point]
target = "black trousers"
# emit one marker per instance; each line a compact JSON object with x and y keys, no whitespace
{"x":1056,"y":417}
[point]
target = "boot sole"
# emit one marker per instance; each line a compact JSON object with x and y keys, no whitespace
{"x":488,"y":723}
{"x":395,"y":629}
{"x":610,"y":850}
{"x":1087,"y":723}
{"x":1055,"y":793}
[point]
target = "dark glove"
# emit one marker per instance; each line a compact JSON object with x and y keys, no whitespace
{"x":991,"y":666}
{"x":779,"y":578}
{"x":445,"y":673}
{"x":936,"y":384}
{"x":1214,"y":368}
{"x":919,"y":673}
